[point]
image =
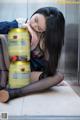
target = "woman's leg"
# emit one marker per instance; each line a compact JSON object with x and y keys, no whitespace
{"x":37,"y":86}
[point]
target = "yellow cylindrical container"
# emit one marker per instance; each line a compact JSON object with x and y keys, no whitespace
{"x":19,"y":74}
{"x":19,"y":43}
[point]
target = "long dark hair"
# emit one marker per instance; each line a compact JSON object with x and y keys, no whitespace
{"x":53,"y":36}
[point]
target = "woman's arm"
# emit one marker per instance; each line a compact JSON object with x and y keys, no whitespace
{"x":6,"y":26}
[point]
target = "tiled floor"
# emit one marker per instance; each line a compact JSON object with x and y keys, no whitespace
{"x":60,"y":100}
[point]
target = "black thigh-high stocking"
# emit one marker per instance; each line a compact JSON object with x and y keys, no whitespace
{"x":37,"y":86}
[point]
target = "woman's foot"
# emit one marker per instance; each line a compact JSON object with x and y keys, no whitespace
{"x":4,"y":96}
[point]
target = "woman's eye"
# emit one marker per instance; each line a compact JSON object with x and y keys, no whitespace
{"x":36,"y":20}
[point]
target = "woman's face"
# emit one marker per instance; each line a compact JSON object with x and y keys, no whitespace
{"x":38,"y":25}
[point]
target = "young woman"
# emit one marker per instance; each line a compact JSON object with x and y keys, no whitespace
{"x":46,"y":27}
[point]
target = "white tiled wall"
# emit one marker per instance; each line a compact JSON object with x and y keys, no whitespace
{"x":11,"y":9}
{"x":24,"y":8}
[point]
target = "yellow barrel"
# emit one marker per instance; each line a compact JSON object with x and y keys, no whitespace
{"x":19,"y":74}
{"x":19,"y":43}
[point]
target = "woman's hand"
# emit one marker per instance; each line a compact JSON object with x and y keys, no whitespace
{"x":34,"y":36}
